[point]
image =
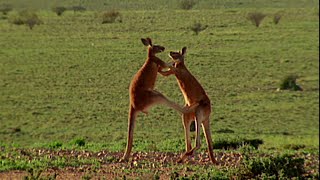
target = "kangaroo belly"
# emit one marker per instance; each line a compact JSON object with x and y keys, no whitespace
{"x":192,"y":91}
{"x":141,"y":84}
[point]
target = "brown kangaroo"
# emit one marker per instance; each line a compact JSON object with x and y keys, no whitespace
{"x":194,"y":96}
{"x":142,"y":93}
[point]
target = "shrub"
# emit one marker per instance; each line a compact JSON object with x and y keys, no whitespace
{"x":25,"y":17}
{"x":59,"y":10}
{"x":198,"y":27}
{"x":289,"y":83}
{"x":17,"y":20}
{"x":236,"y":143}
{"x":111,"y":17}
{"x":79,"y":142}
{"x":15,"y":130}
{"x":5,"y":8}
{"x":33,"y":174}
{"x":256,"y":18}
{"x":294,"y":146}
{"x":279,"y":167}
{"x":55,"y":145}
{"x":276,"y":18}
{"x":187,"y":4}
{"x":78,"y":8}
{"x":32,"y":21}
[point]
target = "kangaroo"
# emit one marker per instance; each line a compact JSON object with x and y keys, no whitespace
{"x":194,"y":96}
{"x":142,"y":93}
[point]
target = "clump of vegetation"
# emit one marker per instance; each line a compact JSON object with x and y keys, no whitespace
{"x":276,"y":18}
{"x":59,"y":10}
{"x":78,"y":8}
{"x":87,"y":177}
{"x":198,"y":27}
{"x":256,"y":18}
{"x":289,"y":83}
{"x":111,"y":17}
{"x":25,"y":17}
{"x":213,"y":174}
{"x":15,"y":130}
{"x":278,"y":167}
{"x":187,"y":4}
{"x":16,"y":19}
{"x":79,"y":142}
{"x":55,"y":145}
{"x":5,"y":8}
{"x":32,"y":21}
{"x":33,"y":174}
{"x":236,"y":143}
{"x":295,"y":146}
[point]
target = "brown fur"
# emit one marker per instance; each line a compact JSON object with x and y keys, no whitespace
{"x":195,"y":97}
{"x":142,"y":93}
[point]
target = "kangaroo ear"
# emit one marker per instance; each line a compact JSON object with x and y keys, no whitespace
{"x":170,"y":54}
{"x":184,"y":50}
{"x":145,"y":42}
{"x":150,"y":42}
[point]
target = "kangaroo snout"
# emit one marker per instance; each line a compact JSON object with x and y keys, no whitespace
{"x":161,"y":48}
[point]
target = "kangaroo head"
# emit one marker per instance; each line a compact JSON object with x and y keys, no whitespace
{"x":152,"y":49}
{"x":178,"y":57}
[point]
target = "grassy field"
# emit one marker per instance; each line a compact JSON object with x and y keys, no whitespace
{"x":67,"y":79}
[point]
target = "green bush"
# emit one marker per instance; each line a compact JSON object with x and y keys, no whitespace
{"x":111,"y":17}
{"x":276,"y":18}
{"x":25,"y":17}
{"x":59,"y":10}
{"x":55,"y":145}
{"x":198,"y":27}
{"x":33,"y":174}
{"x":32,"y":21}
{"x":77,"y":8}
{"x":278,"y":167}
{"x":79,"y":142}
{"x":187,"y":4}
{"x":212,"y":174}
{"x":236,"y":143}
{"x":294,"y":146}
{"x":256,"y":18}
{"x":289,"y":83}
{"x":5,"y":8}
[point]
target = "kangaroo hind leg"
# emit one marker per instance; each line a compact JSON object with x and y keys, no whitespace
{"x":207,"y":133}
{"x":158,"y":98}
{"x":131,"y":124}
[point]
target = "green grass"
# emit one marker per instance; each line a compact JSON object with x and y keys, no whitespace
{"x":163,"y":4}
{"x":67,"y":79}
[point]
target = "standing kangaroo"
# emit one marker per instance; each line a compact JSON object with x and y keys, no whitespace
{"x":194,"y":96}
{"x":142,"y":93}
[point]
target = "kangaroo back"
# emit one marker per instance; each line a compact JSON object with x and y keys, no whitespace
{"x":146,"y":77}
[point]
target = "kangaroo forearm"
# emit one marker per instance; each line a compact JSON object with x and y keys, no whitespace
{"x":165,"y":73}
{"x":160,"y":63}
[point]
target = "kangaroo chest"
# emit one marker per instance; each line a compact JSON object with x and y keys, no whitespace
{"x":191,"y":89}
